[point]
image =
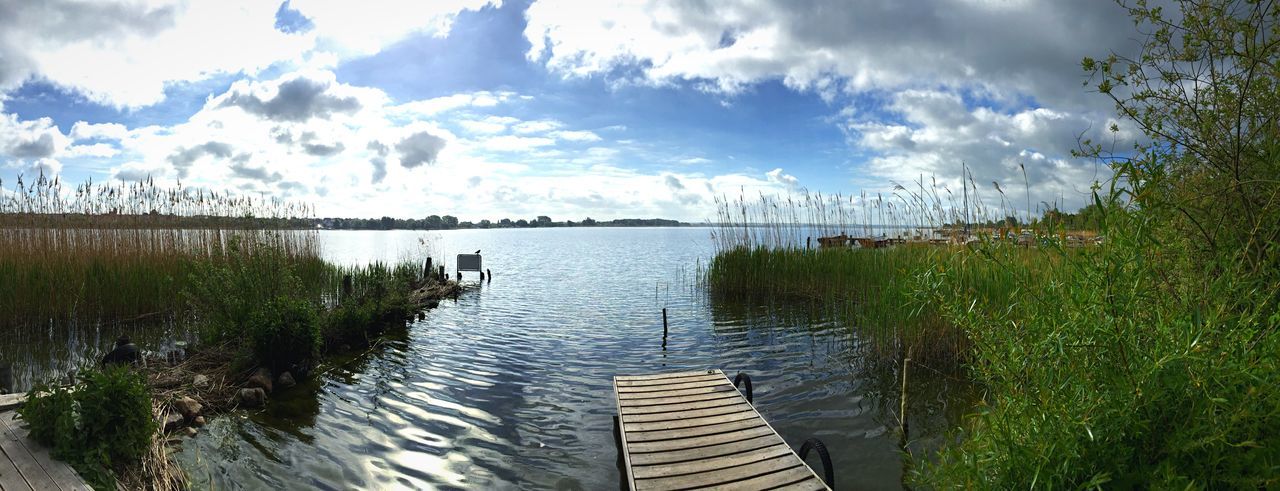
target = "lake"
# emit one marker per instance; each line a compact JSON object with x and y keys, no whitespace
{"x":511,"y":384}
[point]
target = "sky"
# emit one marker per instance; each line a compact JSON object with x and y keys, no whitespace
{"x":565,"y":108}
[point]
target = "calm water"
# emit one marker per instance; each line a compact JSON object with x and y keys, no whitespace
{"x":510,"y":386}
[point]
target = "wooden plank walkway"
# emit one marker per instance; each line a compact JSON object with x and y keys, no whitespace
{"x":695,"y":430}
{"x":26,"y":465}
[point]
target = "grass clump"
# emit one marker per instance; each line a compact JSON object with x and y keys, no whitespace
{"x":101,"y":427}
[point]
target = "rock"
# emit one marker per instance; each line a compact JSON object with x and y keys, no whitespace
{"x":172,"y":421}
{"x":286,"y":380}
{"x":200,"y":381}
{"x":199,"y":421}
{"x":191,"y":431}
{"x":188,"y":407}
{"x":261,"y":379}
{"x":431,"y":304}
{"x":252,"y":397}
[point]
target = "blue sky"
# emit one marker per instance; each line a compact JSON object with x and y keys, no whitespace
{"x":485,"y":109}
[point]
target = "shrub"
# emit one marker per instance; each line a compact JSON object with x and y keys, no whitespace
{"x":285,"y":332}
{"x":102,"y":426}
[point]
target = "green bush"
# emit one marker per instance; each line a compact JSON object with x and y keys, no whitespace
{"x":104,"y":424}
{"x":284,"y":332}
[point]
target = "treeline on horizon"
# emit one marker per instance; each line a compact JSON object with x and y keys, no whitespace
{"x":448,"y":222}
{"x":168,"y":221}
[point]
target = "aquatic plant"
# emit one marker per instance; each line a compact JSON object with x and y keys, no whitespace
{"x":103,"y":426}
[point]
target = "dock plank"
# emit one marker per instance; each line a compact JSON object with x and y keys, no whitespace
{"x":696,"y":384}
{"x":36,"y":476}
{"x":663,"y":376}
{"x":660,"y":401}
{"x":689,"y":413}
{"x":706,"y":451}
{"x":692,"y":422}
{"x":63,"y":476}
{"x":793,"y":479}
{"x":684,"y":406}
{"x":702,"y":441}
{"x":741,"y":459}
{"x":669,"y":381}
{"x":695,"y":430}
{"x":721,"y":476}
{"x":686,"y":391}
{"x":10,"y":478}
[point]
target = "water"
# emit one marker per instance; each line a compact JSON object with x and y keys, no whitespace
{"x":510,"y":385}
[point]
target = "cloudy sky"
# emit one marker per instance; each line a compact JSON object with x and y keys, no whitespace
{"x":567,"y":108}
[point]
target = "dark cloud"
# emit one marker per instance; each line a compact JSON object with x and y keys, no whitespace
{"x":379,"y":169}
{"x":296,"y":100}
{"x":282,"y":135}
{"x":185,"y":156}
{"x":380,"y":161}
{"x":311,"y":147}
{"x":419,"y":148}
{"x":322,"y":150}
{"x":674,"y":183}
{"x":255,"y":173}
{"x":35,"y":148}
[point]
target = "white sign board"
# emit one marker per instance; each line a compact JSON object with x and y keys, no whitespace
{"x":469,"y":262}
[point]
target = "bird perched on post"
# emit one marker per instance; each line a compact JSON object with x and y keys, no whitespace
{"x":477,"y":251}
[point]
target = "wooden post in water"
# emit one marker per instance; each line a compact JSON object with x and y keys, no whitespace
{"x":807,"y":241}
{"x":482,"y":276}
{"x":426,"y":270}
{"x":442,"y":274}
{"x":6,"y":378}
{"x":664,"y":325}
{"x":489,"y":274}
{"x":346,"y":286}
{"x":459,"y":276}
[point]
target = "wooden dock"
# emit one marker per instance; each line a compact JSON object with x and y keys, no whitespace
{"x":695,"y":430}
{"x":26,"y":465}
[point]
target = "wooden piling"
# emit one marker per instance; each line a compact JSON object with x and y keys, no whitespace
{"x":489,"y":274}
{"x":346,"y":286}
{"x":441,"y":275}
{"x":426,"y":270}
{"x":664,"y":325}
{"x":6,"y":378}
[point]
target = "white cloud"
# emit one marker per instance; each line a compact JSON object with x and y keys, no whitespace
{"x":829,"y":46}
{"x":364,"y":28}
{"x":939,"y":134}
{"x":429,"y":107}
{"x":539,"y":126}
{"x":576,"y":136}
{"x":488,"y":124}
{"x":123,"y":53}
{"x":511,"y":143}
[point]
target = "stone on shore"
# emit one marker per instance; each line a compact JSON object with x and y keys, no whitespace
{"x":172,"y":421}
{"x":199,"y":421}
{"x":261,"y":379}
{"x":200,"y":381}
{"x":285,"y":380}
{"x":189,"y":408}
{"x":253,"y":397}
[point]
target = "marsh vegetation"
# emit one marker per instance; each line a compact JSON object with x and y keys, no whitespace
{"x":1147,"y":360}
